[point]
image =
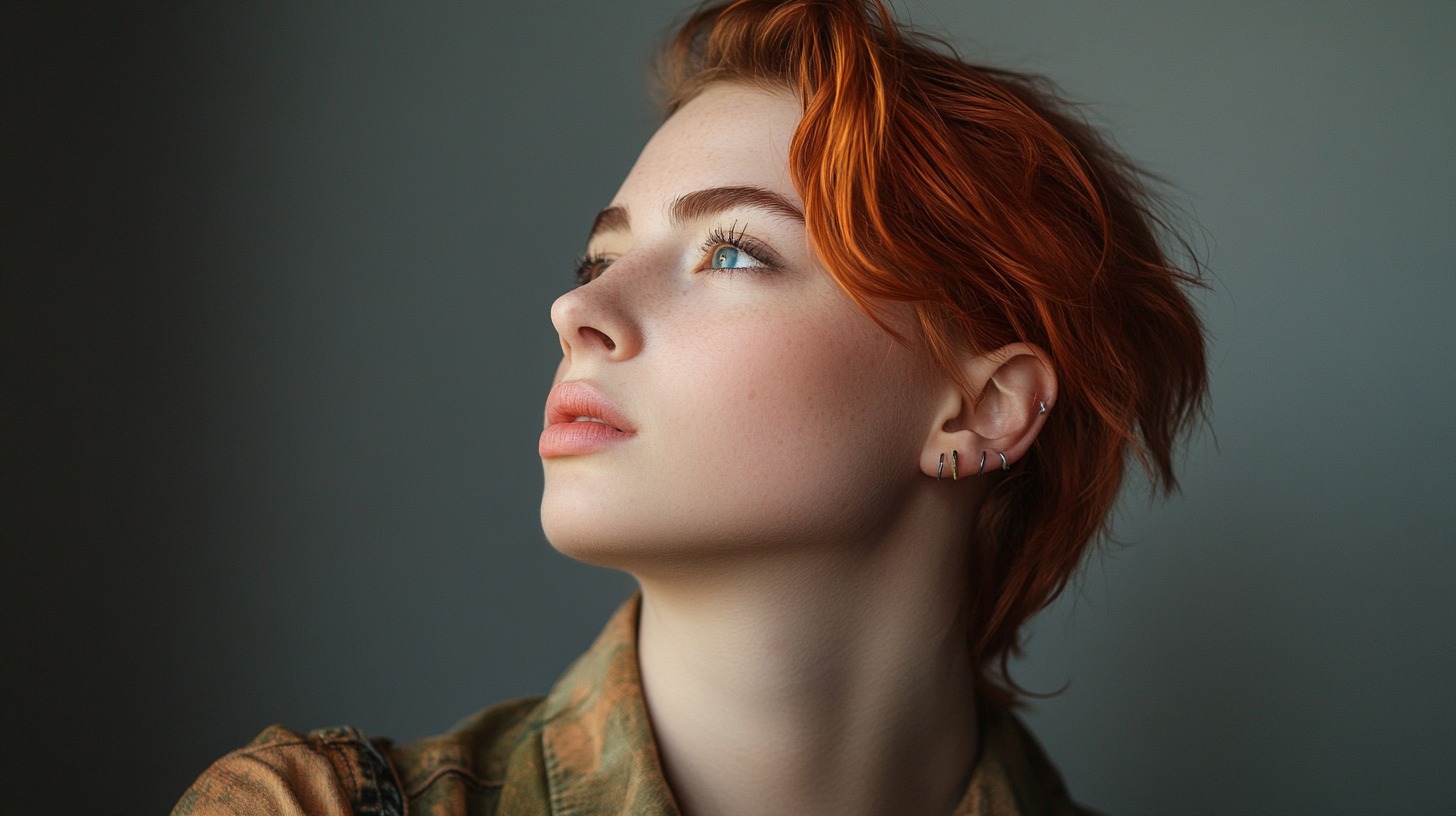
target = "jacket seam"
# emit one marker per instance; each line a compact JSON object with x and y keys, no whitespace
{"x":418,"y":788}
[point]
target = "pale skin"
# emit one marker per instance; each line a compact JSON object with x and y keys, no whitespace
{"x":802,"y":642}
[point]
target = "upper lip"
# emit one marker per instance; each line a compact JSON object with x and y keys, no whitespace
{"x":580,"y":399}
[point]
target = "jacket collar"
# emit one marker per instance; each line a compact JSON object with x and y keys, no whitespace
{"x":600,"y":754}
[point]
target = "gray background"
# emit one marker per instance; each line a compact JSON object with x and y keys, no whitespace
{"x":275,"y":343}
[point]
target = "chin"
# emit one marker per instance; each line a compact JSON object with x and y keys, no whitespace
{"x":591,"y":531}
{"x":630,"y":535}
{"x":586,"y":546}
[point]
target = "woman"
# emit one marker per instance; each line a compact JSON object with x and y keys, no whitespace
{"x":855,"y":359}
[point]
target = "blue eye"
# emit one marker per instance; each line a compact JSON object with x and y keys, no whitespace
{"x":730,"y":249}
{"x":730,"y":257}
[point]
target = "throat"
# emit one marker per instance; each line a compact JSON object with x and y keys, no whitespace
{"x":801,"y":702}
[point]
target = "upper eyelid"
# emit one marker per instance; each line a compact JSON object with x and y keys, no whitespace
{"x":758,"y":249}
{"x":712,"y":225}
{"x":718,"y":233}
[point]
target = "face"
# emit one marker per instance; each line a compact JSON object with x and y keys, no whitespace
{"x":717,"y":391}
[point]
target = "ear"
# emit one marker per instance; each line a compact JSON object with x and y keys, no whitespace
{"x":1008,"y":394}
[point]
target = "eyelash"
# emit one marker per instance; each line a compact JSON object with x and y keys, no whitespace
{"x":590,"y":266}
{"x":737,"y":239}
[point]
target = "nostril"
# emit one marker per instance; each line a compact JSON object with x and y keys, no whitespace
{"x":588,"y":333}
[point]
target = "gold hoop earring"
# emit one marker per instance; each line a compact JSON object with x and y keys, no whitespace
{"x":955,"y":465}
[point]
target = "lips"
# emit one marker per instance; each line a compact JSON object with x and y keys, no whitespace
{"x":580,"y":420}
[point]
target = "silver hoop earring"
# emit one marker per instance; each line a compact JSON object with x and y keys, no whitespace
{"x":955,"y":464}
{"x":1005,"y":465}
{"x":982,"y":466}
{"x":939,"y":470}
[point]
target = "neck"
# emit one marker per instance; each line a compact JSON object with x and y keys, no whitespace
{"x":825,"y":679}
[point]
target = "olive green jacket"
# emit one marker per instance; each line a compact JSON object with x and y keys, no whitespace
{"x":586,"y":749}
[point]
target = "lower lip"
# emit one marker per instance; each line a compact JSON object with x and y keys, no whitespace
{"x":577,"y":438}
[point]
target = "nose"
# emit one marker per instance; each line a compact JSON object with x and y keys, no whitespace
{"x":593,"y":320}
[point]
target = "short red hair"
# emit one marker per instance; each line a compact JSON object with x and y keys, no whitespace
{"x":975,"y":196}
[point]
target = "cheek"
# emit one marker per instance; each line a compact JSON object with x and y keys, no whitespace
{"x":783,"y":397}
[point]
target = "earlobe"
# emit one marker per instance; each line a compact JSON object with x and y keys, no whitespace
{"x":1015,"y":388}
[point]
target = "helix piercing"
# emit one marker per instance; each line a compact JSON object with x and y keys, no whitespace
{"x":1042,"y":408}
{"x":1005,"y":465}
{"x":981,"y":466}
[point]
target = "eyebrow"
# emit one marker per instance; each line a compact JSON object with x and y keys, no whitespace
{"x":701,"y":204}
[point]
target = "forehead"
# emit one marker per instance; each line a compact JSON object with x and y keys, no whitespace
{"x":725,"y":136}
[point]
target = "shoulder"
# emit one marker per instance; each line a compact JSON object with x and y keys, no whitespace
{"x":340,"y":772}
{"x":331,"y":772}
{"x":493,"y":752}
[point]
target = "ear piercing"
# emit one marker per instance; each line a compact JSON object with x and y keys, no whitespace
{"x":1005,"y":465}
{"x":955,"y":465}
{"x":955,"y":455}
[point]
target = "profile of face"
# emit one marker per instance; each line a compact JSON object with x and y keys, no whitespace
{"x":718,"y":392}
